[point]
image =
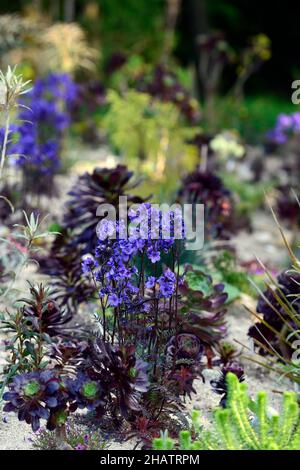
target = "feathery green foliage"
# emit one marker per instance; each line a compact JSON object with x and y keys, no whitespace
{"x":236,"y":428}
{"x":149,"y":134}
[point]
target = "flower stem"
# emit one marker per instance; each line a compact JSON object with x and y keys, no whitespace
{"x":5,"y":141}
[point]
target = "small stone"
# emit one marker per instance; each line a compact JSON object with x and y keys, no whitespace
{"x":210,"y":374}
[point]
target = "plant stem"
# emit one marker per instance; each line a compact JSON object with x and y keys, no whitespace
{"x":5,"y":141}
{"x":61,"y":438}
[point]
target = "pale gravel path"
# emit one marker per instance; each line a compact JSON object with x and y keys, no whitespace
{"x":13,"y":434}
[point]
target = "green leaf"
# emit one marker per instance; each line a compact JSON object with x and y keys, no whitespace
{"x":232,"y":291}
{"x":199,"y":281}
{"x":55,"y":227}
{"x":30,"y":349}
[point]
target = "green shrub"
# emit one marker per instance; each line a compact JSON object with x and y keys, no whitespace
{"x":253,"y":117}
{"x":150,"y":135}
{"x":235,"y":428}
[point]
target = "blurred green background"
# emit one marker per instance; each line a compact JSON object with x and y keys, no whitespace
{"x":151,"y":29}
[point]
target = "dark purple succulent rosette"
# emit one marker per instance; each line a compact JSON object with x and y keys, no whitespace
{"x":63,"y":266}
{"x":44,"y":314}
{"x":32,"y":395}
{"x":220,"y":386}
{"x":204,"y":187}
{"x":203,"y":312}
{"x":85,"y":392}
{"x":68,"y":351}
{"x":288,"y":207}
{"x":185,"y":346}
{"x":91,"y":190}
{"x":275,"y":314}
{"x":119,"y":373}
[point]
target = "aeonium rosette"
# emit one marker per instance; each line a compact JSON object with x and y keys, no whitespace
{"x":33,"y":395}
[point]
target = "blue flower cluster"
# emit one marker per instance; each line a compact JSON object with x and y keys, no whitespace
{"x":113,"y":266}
{"x":286,"y":125}
{"x":166,"y":283}
{"x":43,"y":117}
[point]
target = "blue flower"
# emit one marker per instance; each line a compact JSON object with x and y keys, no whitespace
{"x":88,"y":264}
{"x":286,"y":125}
{"x":167,"y":283}
{"x":153,"y":255}
{"x":150,"y":283}
{"x":113,"y":300}
{"x":44,"y":115}
{"x":118,"y":271}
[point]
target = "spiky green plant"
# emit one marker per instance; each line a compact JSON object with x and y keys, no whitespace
{"x":243,"y":425}
{"x":18,"y":248}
